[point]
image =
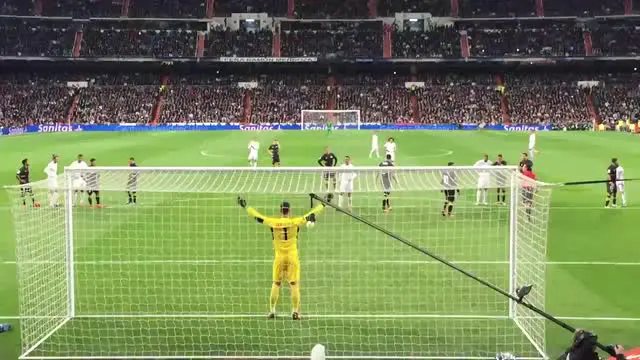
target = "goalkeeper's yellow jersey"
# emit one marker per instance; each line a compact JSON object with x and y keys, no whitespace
{"x":284,"y":230}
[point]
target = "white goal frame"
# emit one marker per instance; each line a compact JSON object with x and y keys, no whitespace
{"x":521,"y":318}
{"x":337,"y":125}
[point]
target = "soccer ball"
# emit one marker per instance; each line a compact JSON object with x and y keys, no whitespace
{"x":318,"y":352}
{"x":310,"y":224}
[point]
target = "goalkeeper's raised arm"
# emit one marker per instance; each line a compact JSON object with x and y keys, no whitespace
{"x":285,"y":208}
{"x":286,"y":263}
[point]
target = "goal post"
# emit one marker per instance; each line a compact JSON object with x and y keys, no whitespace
{"x":186,"y":272}
{"x":340,"y":119}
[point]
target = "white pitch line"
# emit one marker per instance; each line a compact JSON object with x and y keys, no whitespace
{"x":318,"y":262}
{"x":322,"y":316}
{"x":217,"y":203}
{"x":445,"y":152}
{"x":208,"y":154}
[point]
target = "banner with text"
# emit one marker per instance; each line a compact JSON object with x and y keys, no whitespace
{"x":57,"y":128}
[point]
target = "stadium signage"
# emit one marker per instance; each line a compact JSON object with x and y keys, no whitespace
{"x":526,"y":127}
{"x":57,"y":128}
{"x":54,"y":128}
{"x":315,"y":127}
{"x":13,"y":131}
{"x":259,"y":127}
{"x":268,"y":59}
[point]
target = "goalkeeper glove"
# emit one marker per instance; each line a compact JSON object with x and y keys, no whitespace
{"x":311,"y":218}
{"x":242,"y":202}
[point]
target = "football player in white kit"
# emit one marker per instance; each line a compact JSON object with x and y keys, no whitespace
{"x":52,"y":180}
{"x":374,"y":145}
{"x":532,"y":144}
{"x":390,"y":148}
{"x":484,"y":178}
{"x":253,"y":148}
{"x":346,"y":182}
{"x":78,"y":183}
{"x":620,"y":183}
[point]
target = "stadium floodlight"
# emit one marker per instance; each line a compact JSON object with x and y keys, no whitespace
{"x":340,"y":119}
{"x":186,"y":273}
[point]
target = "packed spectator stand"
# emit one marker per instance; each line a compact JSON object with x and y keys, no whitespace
{"x":445,"y":98}
{"x":201,"y":29}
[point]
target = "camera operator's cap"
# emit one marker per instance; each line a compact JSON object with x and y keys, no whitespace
{"x":584,"y":335}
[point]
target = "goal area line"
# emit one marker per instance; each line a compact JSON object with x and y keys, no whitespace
{"x":323,"y":316}
{"x":269,"y":357}
{"x":314,"y":262}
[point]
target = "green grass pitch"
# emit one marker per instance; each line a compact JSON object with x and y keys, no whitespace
{"x":592,"y":274}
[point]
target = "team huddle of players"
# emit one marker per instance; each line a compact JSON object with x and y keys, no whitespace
{"x":81,"y":182}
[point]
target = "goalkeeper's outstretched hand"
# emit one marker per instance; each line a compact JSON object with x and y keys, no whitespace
{"x":242,"y":202}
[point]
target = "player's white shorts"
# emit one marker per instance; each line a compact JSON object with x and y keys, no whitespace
{"x":79,"y":184}
{"x":253,"y":156}
{"x":346,"y":187}
{"x":620,"y":186}
{"x":393,"y":156}
{"x":484,"y":181}
{"x":52,"y":184}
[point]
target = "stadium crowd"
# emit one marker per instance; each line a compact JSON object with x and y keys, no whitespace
{"x":459,"y":100}
{"x":55,"y":37}
{"x":332,"y":39}
{"x":525,"y":39}
{"x":454,"y":99}
{"x":311,"y":8}
{"x":553,"y":99}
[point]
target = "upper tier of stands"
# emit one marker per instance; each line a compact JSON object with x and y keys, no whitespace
{"x":311,"y":8}
{"x":371,"y":39}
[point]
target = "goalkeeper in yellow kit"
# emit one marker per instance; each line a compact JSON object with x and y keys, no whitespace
{"x":286,"y":263}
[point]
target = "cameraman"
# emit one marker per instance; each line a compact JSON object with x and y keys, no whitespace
{"x":584,"y":347}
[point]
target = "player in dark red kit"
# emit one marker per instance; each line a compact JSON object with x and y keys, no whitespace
{"x":502,"y":181}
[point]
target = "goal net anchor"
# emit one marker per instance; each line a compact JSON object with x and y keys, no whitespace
{"x":186,"y":273}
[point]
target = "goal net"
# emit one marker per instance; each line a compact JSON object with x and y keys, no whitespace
{"x":185,"y":272}
{"x":340,"y":119}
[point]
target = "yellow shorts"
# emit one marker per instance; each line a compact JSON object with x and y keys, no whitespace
{"x":286,"y":266}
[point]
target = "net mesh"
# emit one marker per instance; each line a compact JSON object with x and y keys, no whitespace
{"x":186,"y":273}
{"x":320,"y":118}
